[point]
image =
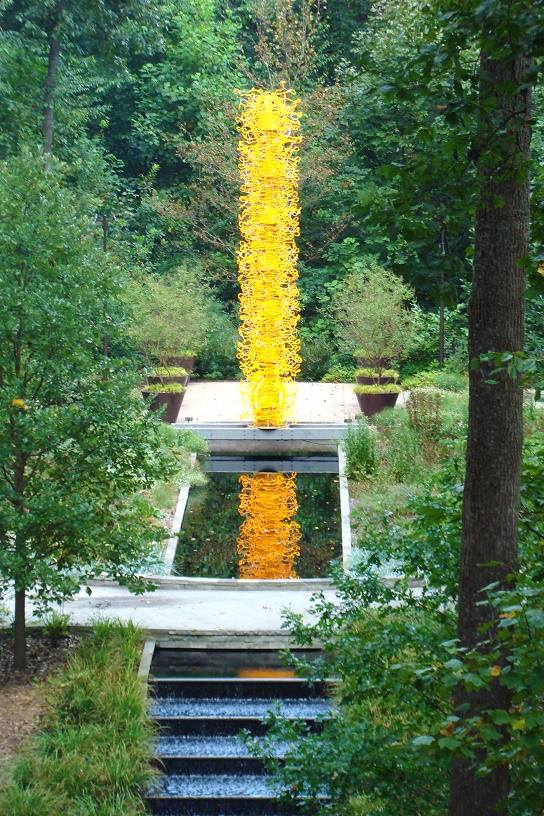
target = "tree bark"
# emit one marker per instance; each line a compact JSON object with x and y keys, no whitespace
{"x":495,"y":430}
{"x":51,"y":83}
{"x":19,"y":631}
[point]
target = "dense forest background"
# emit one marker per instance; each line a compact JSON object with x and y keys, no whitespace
{"x":138,"y":100}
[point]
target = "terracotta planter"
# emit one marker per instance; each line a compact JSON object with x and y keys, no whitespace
{"x":371,"y":404}
{"x":163,"y":399}
{"x":372,"y":381}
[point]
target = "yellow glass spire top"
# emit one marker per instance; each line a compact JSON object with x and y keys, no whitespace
{"x":268,"y":544}
{"x":269,"y":309}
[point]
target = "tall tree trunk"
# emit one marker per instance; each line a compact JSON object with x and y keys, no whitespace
{"x":49,"y":94}
{"x":495,"y":434}
{"x":19,"y":631}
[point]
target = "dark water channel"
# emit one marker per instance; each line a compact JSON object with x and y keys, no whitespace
{"x":262,"y":518}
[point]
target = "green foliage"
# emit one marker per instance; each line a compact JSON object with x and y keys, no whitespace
{"x":445,"y":380}
{"x":385,"y":388}
{"x":387,"y":747}
{"x":171,"y":371}
{"x":366,"y":747}
{"x":339,"y":373}
{"x":360,"y":449}
{"x":399,"y":447}
{"x":423,"y":409}
{"x":425,"y":351}
{"x":315,"y":351}
{"x":92,"y":752}
{"x":164,"y":388}
{"x":56,"y":625}
{"x":217,"y":359}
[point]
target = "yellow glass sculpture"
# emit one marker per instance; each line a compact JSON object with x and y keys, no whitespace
{"x":269,"y":309}
{"x":268,"y":544}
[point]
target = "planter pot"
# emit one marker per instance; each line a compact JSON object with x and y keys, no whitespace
{"x":172,"y":403}
{"x":183,"y":362}
{"x":372,"y":381}
{"x":371,"y":404}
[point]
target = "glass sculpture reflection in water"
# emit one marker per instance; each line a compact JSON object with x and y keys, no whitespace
{"x":268,"y":543}
{"x":269,"y":308}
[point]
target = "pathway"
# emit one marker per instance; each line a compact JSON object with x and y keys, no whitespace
{"x":187,"y":611}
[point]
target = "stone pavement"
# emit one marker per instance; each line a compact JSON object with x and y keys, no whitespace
{"x":189,"y":611}
{"x":316,"y":402}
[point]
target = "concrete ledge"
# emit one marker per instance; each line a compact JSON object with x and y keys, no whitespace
{"x":227,"y":639}
{"x":305,"y":437}
{"x":237,"y":584}
{"x":239,"y":430}
{"x":245,"y":464}
{"x":246,"y":584}
{"x":145,"y":662}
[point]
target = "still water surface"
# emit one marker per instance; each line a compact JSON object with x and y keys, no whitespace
{"x":261,"y":524}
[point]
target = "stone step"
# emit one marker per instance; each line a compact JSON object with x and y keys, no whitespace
{"x":210,"y":766}
{"x":207,"y":768}
{"x":212,"y":806}
{"x":217,"y":795}
{"x":227,"y":726}
{"x":202,"y":746}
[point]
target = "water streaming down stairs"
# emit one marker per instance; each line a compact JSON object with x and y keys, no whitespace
{"x":208,"y":771}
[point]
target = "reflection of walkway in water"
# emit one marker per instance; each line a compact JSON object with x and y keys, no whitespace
{"x":268,"y":544}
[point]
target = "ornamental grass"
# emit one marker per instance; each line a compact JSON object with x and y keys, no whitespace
{"x":91,"y":755}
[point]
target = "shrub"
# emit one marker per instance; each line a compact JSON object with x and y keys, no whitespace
{"x":386,"y":388}
{"x":339,"y":373}
{"x":400,"y":449}
{"x":371,"y":313}
{"x":360,"y":449}
{"x":375,"y":374}
{"x":56,"y":625}
{"x":168,"y":315}
{"x":423,"y":408}
{"x":164,"y":388}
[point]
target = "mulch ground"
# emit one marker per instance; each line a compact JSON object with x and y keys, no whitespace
{"x":21,"y":702}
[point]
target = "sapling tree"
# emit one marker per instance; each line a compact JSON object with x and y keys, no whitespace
{"x":372,"y":314}
{"x":76,"y":444}
{"x":169,"y":315}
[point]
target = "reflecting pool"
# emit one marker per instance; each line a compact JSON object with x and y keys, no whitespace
{"x":272,"y":521}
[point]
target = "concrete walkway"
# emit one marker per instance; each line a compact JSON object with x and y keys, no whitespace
{"x":316,"y":402}
{"x":170,"y":611}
